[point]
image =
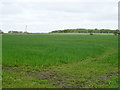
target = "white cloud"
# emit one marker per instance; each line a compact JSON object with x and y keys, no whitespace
{"x":58,"y":14}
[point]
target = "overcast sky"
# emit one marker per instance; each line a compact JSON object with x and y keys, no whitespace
{"x":49,"y":15}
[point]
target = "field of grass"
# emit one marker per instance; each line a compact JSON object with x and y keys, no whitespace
{"x":60,"y":61}
{"x":0,"y":61}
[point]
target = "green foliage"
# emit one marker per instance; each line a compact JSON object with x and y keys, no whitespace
{"x":91,"y":33}
{"x":84,"y":31}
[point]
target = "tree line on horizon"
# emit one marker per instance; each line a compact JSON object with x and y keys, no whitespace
{"x":85,"y":31}
{"x":91,"y":31}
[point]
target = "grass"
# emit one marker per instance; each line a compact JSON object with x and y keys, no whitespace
{"x":0,"y":49}
{"x":0,"y":61}
{"x":60,"y":61}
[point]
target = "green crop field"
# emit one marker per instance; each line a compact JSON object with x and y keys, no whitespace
{"x":60,"y":61}
{"x":0,"y":61}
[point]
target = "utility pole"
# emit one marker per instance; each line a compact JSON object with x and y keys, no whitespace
{"x":25,"y":28}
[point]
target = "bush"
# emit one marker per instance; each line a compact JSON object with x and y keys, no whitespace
{"x":91,"y":33}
